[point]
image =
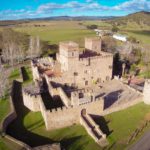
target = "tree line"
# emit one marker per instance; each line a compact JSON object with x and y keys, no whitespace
{"x":15,"y":47}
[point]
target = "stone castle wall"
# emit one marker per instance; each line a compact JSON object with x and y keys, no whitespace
{"x":64,"y":97}
{"x":93,"y":44}
{"x":62,"y":117}
{"x":35,"y":72}
{"x":146,"y":92}
{"x":91,"y":69}
{"x":31,"y":101}
{"x":122,"y":106}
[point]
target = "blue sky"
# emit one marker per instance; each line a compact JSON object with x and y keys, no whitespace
{"x":18,"y":9}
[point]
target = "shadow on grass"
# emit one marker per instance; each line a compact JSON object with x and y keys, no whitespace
{"x":103,"y":124}
{"x":24,"y":74}
{"x":65,"y":143}
{"x":17,"y":128}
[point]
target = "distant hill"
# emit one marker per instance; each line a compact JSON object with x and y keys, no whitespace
{"x":140,"y":18}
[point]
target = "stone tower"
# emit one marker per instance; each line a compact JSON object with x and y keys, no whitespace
{"x":68,"y":53}
{"x":93,"y":44}
{"x":146,"y":92}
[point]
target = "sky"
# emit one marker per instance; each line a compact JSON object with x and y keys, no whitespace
{"x":21,"y":9}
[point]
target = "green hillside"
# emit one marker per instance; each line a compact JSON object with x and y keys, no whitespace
{"x":140,"y":18}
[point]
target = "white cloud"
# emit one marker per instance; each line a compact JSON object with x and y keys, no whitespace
{"x":74,"y":6}
{"x":134,"y":5}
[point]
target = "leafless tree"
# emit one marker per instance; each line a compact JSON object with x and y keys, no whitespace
{"x":3,"y":80}
{"x":34,"y":47}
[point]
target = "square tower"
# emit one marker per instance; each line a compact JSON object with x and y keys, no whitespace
{"x":68,"y":52}
{"x":93,"y":44}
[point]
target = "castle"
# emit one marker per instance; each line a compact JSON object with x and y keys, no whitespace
{"x":76,"y":82}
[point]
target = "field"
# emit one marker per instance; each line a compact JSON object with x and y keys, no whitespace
{"x":55,"y":31}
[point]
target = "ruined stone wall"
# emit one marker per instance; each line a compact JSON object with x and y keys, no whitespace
{"x":31,"y":101}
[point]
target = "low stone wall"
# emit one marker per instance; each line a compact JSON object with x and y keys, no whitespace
{"x":31,"y":101}
{"x":122,"y":106}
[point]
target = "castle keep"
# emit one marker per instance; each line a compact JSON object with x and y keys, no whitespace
{"x":87,"y":67}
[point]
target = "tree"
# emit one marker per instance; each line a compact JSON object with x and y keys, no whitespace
{"x":3,"y":80}
{"x":35,"y":48}
{"x":117,"y":65}
{"x":115,"y":28}
{"x":146,"y":61}
{"x":14,"y":46}
{"x":91,"y":27}
{"x":109,"y":44}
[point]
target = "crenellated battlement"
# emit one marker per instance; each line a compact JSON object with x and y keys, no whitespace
{"x":108,"y":56}
{"x":31,"y":100}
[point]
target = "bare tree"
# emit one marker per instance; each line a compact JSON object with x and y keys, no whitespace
{"x":3,"y":80}
{"x":14,"y":46}
{"x":34,"y":47}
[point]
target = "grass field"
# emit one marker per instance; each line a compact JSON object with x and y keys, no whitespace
{"x":123,"y":123}
{"x":57,"y":31}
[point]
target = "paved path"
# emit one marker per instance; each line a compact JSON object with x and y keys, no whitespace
{"x":143,"y":143}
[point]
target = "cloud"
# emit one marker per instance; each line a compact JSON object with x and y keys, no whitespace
{"x":134,"y":5}
{"x":75,"y":6}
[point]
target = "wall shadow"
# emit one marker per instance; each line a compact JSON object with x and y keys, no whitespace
{"x":111,"y":98}
{"x":24,"y":74}
{"x":17,"y":129}
{"x":103,"y":124}
{"x":49,"y":102}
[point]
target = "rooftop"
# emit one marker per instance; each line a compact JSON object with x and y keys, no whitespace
{"x":70,"y":45}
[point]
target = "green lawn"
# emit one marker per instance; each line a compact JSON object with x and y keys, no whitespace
{"x":55,"y":34}
{"x":14,"y":74}
{"x":4,"y":108}
{"x":123,"y":123}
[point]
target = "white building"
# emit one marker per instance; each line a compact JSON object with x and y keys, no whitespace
{"x":120,"y":37}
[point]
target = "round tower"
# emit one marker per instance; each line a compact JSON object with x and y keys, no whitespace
{"x":146,"y":92}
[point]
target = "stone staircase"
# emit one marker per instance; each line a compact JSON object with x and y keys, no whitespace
{"x":93,"y":129}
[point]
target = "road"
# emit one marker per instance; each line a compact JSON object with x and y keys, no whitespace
{"x":143,"y":143}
